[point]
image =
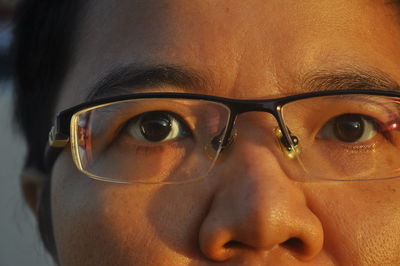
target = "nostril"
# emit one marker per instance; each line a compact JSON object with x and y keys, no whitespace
{"x":294,"y":244}
{"x":233,"y":244}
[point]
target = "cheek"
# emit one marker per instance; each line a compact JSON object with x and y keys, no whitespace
{"x":361,"y":220}
{"x":91,"y":219}
{"x":99,"y":223}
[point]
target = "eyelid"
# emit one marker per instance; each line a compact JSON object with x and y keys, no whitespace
{"x":370,"y":124}
{"x":314,"y":122}
{"x":121,"y":114}
{"x":176,"y":120}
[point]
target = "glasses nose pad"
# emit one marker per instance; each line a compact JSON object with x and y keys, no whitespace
{"x":290,"y":149}
{"x":219,"y":143}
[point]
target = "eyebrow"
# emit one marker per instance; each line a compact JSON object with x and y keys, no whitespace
{"x":125,"y":79}
{"x":349,"y":78}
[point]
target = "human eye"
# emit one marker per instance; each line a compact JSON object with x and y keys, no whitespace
{"x":148,"y":140}
{"x":350,"y":128}
{"x":346,"y":137}
{"x":156,"y":127}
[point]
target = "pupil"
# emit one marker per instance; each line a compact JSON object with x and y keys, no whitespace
{"x":349,"y":127}
{"x":155,"y":126}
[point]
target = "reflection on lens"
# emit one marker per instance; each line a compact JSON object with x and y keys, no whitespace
{"x":148,"y":140}
{"x":346,"y":137}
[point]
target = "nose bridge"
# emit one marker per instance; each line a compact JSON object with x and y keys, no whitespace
{"x":269,"y":107}
{"x":240,"y":107}
{"x":256,"y":127}
{"x":287,"y":142}
{"x":256,"y":142}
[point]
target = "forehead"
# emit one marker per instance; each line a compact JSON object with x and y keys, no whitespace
{"x":268,"y":45}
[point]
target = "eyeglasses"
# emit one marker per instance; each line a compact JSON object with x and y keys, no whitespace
{"x":174,"y":138}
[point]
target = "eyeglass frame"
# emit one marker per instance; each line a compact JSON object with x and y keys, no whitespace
{"x":59,"y":135}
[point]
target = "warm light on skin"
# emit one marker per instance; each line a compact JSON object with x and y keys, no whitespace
{"x":249,"y":212}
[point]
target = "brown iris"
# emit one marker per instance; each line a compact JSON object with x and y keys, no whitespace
{"x":155,"y":126}
{"x":349,"y":127}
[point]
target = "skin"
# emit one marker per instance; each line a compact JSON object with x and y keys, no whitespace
{"x":250,"y":212}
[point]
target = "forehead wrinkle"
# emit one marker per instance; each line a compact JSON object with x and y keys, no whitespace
{"x":348,"y":78}
{"x":133,"y":78}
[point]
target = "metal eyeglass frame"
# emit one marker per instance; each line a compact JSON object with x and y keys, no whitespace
{"x":59,"y":135}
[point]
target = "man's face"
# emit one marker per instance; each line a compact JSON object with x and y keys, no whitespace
{"x":251,"y":212}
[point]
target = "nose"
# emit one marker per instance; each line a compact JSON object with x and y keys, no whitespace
{"x":257,"y":209}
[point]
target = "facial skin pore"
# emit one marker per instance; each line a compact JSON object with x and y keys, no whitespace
{"x":249,"y":211}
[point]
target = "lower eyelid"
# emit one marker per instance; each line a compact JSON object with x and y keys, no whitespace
{"x":360,"y":148}
{"x":149,"y":147}
{"x":355,"y":148}
{"x":141,"y":149}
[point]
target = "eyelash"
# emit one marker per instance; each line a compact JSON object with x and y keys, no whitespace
{"x":178,"y":128}
{"x":384,"y":133}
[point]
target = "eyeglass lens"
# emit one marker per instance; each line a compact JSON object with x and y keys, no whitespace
{"x":149,"y":140}
{"x":346,"y":137}
{"x":341,"y":137}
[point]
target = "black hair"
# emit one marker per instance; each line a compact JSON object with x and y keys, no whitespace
{"x":42,"y":49}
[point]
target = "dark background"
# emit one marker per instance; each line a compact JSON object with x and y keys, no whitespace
{"x":19,"y":240}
